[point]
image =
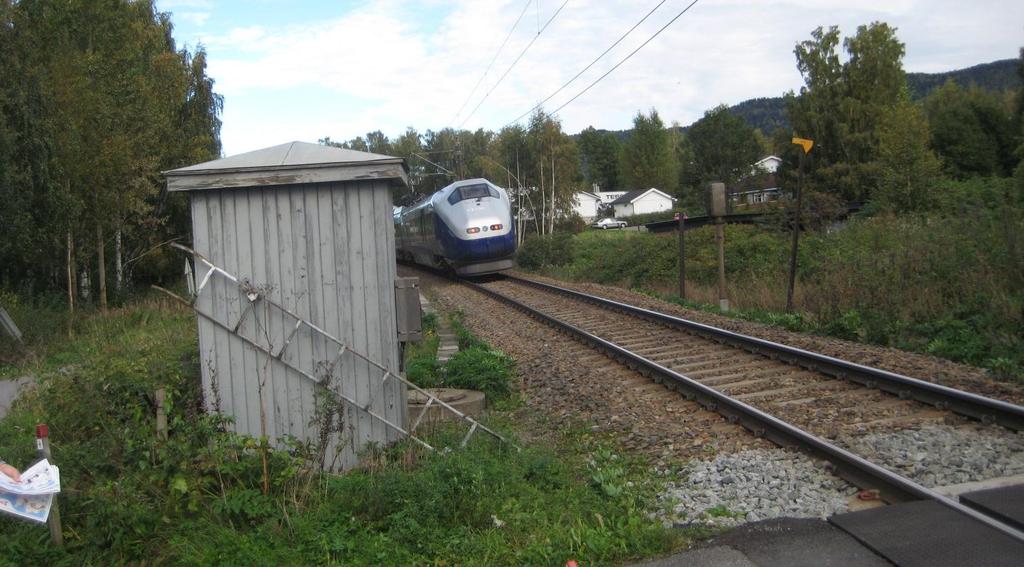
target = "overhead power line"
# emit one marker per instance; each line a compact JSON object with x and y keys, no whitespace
{"x":493,"y":59}
{"x":521,"y":53}
{"x":626,"y":58}
{"x":585,"y":69}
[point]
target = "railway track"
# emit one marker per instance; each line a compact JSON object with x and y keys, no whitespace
{"x":792,"y":397}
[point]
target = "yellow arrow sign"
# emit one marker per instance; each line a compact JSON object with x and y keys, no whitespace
{"x":804,"y":143}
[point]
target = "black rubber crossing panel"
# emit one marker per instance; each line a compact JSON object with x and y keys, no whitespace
{"x":1005,"y":504}
{"x":928,"y":534}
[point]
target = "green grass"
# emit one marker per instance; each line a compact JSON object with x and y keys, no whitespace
{"x":198,"y":497}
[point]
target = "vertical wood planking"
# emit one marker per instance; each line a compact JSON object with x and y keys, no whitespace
{"x":366,"y":429}
{"x":244,"y":250}
{"x":343,"y":274}
{"x":289,"y":298}
{"x":201,"y":241}
{"x":220,"y":372}
{"x":234,"y":361}
{"x":326,"y":252}
{"x":276,"y":388}
{"x":394,"y":398}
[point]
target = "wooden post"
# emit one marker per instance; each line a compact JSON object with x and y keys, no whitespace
{"x":43,"y":451}
{"x":723,"y":300}
{"x":718,"y":210}
{"x":806,"y":147}
{"x":682,"y":257}
{"x":161,"y":415}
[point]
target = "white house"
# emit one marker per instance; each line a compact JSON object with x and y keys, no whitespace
{"x":642,"y":201}
{"x":585,"y":204}
{"x":767,"y":164}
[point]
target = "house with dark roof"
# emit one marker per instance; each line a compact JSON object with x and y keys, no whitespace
{"x":642,"y":201}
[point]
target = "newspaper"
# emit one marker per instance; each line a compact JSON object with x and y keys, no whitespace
{"x":31,"y":498}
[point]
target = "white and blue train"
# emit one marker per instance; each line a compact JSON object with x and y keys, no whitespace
{"x":467,"y":226}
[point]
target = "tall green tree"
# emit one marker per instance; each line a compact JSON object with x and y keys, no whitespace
{"x":972,"y":130}
{"x":724,"y":146}
{"x":841,"y":105}
{"x":106,"y":102}
{"x":600,"y":158}
{"x":647,"y":155}
{"x":909,"y":169}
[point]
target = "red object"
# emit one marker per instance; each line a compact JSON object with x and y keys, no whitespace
{"x":42,"y":431}
{"x":571,"y":563}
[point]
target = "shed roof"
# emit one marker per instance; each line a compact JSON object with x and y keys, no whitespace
{"x":289,"y":163}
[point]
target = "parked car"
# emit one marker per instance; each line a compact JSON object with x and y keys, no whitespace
{"x":610,"y":223}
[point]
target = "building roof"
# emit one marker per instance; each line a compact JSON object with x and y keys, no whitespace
{"x":289,"y":163}
{"x":588,"y":194}
{"x":631,"y":196}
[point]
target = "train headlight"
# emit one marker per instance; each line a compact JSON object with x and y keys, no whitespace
{"x":473,"y":230}
{"x":495,"y":227}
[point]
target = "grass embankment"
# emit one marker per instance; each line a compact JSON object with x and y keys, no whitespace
{"x":948,"y":282}
{"x":199,"y":497}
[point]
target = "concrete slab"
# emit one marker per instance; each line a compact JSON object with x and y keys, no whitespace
{"x":928,"y":534}
{"x":1005,"y":504}
{"x":782,"y":542}
{"x":9,"y":391}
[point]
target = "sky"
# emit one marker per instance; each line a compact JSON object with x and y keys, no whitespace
{"x":305,"y":70}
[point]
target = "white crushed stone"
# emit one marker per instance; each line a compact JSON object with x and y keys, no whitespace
{"x":944,"y":455}
{"x":754,"y":485}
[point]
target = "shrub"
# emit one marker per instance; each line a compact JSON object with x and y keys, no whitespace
{"x":538,"y":252}
{"x":480,"y":368}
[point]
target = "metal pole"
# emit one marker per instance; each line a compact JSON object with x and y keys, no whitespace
{"x":43,"y":450}
{"x":796,"y":235}
{"x":682,"y":258}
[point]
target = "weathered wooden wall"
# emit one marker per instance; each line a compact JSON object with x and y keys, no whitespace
{"x":326,"y":252}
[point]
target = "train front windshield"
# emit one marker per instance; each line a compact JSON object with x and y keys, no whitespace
{"x":471,"y":192}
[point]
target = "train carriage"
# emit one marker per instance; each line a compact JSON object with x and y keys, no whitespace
{"x":467,"y":226}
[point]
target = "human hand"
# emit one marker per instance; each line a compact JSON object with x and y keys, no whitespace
{"x":11,"y":472}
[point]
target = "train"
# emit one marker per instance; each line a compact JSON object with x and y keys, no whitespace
{"x":466,"y":227}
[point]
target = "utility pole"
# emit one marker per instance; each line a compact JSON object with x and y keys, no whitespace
{"x":806,"y":145}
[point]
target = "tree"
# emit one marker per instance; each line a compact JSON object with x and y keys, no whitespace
{"x":600,"y":158}
{"x":971,"y":130}
{"x":908,"y":167}
{"x":102,"y":102}
{"x":647,"y":159}
{"x":841,"y":105}
{"x":724,"y":147}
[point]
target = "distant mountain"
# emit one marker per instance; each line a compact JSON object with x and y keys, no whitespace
{"x":769,"y":113}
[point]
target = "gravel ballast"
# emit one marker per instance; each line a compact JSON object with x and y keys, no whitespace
{"x":943,"y":455}
{"x":754,"y":485}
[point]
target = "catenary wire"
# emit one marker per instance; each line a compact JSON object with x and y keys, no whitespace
{"x":585,"y":69}
{"x":507,"y":71}
{"x":489,"y":65}
{"x":626,"y":58}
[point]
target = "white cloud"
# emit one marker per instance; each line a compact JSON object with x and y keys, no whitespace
{"x":197,"y":18}
{"x":388,"y":69}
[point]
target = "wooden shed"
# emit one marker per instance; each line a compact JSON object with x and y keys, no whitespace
{"x":309,"y":228}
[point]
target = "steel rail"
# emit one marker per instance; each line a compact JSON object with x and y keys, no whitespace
{"x":987,"y":410}
{"x":892,"y":487}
